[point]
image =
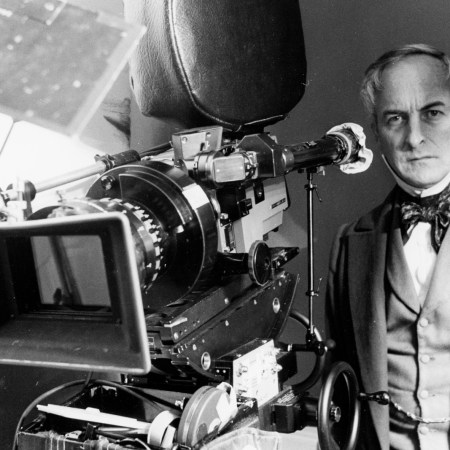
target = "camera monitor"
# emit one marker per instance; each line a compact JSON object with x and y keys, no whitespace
{"x":70,"y":296}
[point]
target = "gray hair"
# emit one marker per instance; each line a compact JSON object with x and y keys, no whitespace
{"x":372,"y":78}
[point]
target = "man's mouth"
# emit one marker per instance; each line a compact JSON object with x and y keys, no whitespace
{"x":420,"y":158}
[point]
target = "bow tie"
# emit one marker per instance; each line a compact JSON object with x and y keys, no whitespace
{"x":434,"y":209}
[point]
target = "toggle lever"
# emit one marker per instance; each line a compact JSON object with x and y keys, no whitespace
{"x":381,"y":397}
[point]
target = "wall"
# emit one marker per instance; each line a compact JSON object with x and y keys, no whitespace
{"x":342,"y":38}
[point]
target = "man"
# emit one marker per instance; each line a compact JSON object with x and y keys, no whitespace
{"x":388,"y":299}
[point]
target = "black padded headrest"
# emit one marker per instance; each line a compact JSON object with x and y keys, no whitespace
{"x":237,"y":63}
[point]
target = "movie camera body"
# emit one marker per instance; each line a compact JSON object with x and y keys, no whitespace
{"x":162,"y":271}
{"x":201,"y":299}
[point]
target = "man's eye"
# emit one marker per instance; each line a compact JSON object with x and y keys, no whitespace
{"x":433,"y":113}
{"x":394,"y":120}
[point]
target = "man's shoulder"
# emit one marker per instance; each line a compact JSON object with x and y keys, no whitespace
{"x":371,"y":220}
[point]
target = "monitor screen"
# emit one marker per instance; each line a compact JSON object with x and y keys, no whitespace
{"x":70,"y":296}
{"x":66,"y":273}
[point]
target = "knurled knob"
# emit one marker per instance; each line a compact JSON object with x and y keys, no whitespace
{"x":335,"y":413}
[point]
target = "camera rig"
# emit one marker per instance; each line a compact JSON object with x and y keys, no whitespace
{"x":187,"y":292}
{"x":162,"y":272}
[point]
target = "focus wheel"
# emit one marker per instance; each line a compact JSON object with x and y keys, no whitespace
{"x":259,"y":262}
{"x":339,"y":409}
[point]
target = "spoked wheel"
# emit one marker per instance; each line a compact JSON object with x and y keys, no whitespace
{"x":339,"y":409}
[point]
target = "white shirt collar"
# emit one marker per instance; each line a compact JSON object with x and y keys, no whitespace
{"x":419,"y":192}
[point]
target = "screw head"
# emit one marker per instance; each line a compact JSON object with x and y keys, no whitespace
{"x":206,"y":361}
{"x":107,"y":182}
{"x":335,"y":414}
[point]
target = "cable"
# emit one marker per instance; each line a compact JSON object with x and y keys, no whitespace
{"x":87,"y":383}
{"x":319,"y":363}
{"x":133,"y":441}
{"x":35,"y":402}
{"x":88,"y":380}
{"x":154,"y":400}
{"x":156,"y":150}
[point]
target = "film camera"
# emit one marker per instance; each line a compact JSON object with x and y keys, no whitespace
{"x":162,"y":272}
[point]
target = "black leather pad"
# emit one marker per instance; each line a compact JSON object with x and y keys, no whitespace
{"x":238,"y":63}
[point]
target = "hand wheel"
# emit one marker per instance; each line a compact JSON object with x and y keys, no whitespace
{"x":339,"y":409}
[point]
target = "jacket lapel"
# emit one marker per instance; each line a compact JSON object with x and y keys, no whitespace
{"x":439,"y":290}
{"x":397,"y":270}
{"x":367,"y":263}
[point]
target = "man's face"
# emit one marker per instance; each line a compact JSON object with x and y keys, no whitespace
{"x":413,"y":120}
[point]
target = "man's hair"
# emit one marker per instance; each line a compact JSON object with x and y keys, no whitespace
{"x":372,"y":78}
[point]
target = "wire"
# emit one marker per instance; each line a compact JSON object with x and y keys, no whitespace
{"x":154,"y":400}
{"x":35,"y":402}
{"x":319,"y":363}
{"x":88,"y":380}
{"x":134,"y":441}
{"x":87,"y":383}
{"x":158,"y":149}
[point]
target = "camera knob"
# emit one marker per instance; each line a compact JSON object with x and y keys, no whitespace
{"x":259,"y":262}
{"x":335,"y":413}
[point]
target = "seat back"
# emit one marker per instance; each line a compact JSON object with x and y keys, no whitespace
{"x":237,"y":63}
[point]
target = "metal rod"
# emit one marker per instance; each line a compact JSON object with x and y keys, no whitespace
{"x":94,"y":169}
{"x":310,"y":187}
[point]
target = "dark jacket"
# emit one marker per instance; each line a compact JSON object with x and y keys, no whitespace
{"x":367,"y":263}
{"x":356,"y":312}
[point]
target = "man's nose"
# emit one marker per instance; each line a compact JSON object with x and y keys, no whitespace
{"x":414,"y":133}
